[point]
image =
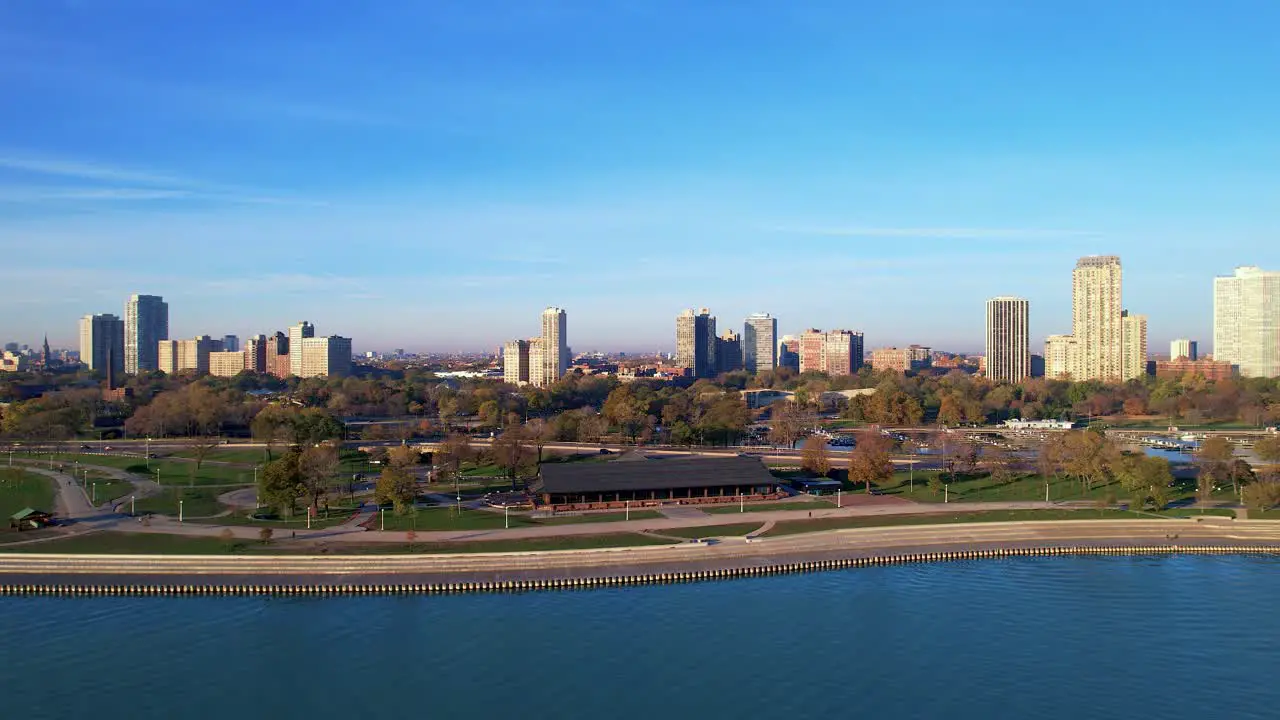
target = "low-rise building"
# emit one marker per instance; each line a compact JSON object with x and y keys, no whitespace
{"x":1208,"y":368}
{"x":896,"y":359}
{"x":226,"y":363}
{"x":13,"y":362}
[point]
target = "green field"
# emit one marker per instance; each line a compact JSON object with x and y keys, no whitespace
{"x":159,"y":544}
{"x":336,"y":516}
{"x":107,"y":490}
{"x":1196,"y":512}
{"x":600,"y":517}
{"x":447,"y":518}
{"x":20,"y":489}
{"x":768,"y":506}
{"x":708,"y":531}
{"x":172,"y":472}
{"x":246,"y":456}
{"x":793,"y":527}
{"x":196,"y":502}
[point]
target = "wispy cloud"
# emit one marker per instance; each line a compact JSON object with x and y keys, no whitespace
{"x":925,"y":233}
{"x":159,"y":186}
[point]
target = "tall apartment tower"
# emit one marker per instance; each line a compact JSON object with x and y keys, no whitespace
{"x":297,"y":333}
{"x":146,"y":323}
{"x":836,"y":352}
{"x":555,"y":345}
{"x":1246,"y":321}
{"x":789,"y":352}
{"x":760,"y":343}
{"x":102,"y":338}
{"x":1061,"y":354}
{"x":255,"y":354}
{"x":1008,"y":348}
{"x":515,"y":362}
{"x":278,"y":356}
{"x":729,"y":352}
{"x":696,"y":342}
{"x":1134,"y":333}
{"x":1183,"y":348}
{"x":230,"y":343}
{"x":325,"y":356}
{"x":1095,"y":318}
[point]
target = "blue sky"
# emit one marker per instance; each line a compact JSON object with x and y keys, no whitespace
{"x":431,"y":175}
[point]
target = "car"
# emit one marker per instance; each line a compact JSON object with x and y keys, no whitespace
{"x":108,"y":448}
{"x":85,"y":447}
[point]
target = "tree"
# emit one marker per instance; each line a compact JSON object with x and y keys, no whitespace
{"x":1268,"y":449}
{"x":999,"y":464}
{"x":403,"y":456}
{"x":786,"y":423}
{"x":1214,"y":458}
{"x":625,"y":409}
{"x":1142,"y":477}
{"x":538,"y":432}
{"x":396,"y":486}
{"x":317,"y":466}
{"x":814,"y":456}
{"x":280,"y":483}
{"x":226,"y":536}
{"x":870,"y":461}
{"x":1088,"y":456}
{"x":511,"y":450}
{"x":265,"y":535}
{"x":454,"y":452}
{"x":200,"y":448}
{"x":1262,"y":495}
{"x":269,"y":425}
{"x":591,"y":425}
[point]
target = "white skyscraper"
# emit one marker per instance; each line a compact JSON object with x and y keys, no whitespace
{"x":555,"y":345}
{"x":1008,"y":349}
{"x":759,"y":343}
{"x":1134,"y":363}
{"x":297,"y":332}
{"x":515,"y":362}
{"x":1095,"y":318}
{"x":1061,"y":354}
{"x":102,"y":339}
{"x":1246,"y":321}
{"x":1183,"y":348}
{"x":146,"y":323}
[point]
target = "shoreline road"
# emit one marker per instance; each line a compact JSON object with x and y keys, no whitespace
{"x":1146,"y":535}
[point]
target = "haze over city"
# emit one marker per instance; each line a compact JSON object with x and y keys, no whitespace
{"x":431,"y":176}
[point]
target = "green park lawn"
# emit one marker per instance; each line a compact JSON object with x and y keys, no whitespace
{"x":813,"y":504}
{"x":335,"y":516}
{"x":600,"y":517}
{"x":1197,"y":512}
{"x":172,"y":471}
{"x":245,"y":456}
{"x":20,"y":489}
{"x":136,"y":544}
{"x":197,"y":502}
{"x":447,"y":518}
{"x":708,"y":531}
{"x":793,"y":527}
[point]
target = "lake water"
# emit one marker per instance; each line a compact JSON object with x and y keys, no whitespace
{"x":1089,"y":637}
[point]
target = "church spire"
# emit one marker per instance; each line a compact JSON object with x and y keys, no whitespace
{"x":48,"y":357}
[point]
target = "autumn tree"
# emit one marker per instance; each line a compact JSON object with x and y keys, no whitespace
{"x":870,"y":462}
{"x":317,"y":466}
{"x":1088,"y":456}
{"x":396,"y":486}
{"x":1144,"y":478}
{"x":814,"y":455}
{"x":1262,"y":495}
{"x":403,"y":457}
{"x":269,"y":426}
{"x":453,"y":453}
{"x":999,"y":464}
{"x":786,"y":423}
{"x":1268,"y":449}
{"x":1214,"y":458}
{"x":511,"y":450}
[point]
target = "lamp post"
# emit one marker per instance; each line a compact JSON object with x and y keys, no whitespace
{"x":94,"y":499}
{"x":133,"y":504}
{"x":382,"y":513}
{"x":179,"y":511}
{"x":839,"y":503}
{"x":148,"y":453}
{"x":742,"y":503}
{"x":506,"y":518}
{"x":628,"y":517}
{"x":157,"y":476}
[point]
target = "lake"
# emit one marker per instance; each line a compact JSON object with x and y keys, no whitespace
{"x":1061,"y":637}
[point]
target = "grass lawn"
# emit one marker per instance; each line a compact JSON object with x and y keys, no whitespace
{"x":137,"y":544}
{"x":706,"y":531}
{"x":1272,"y":514}
{"x":158,"y":544}
{"x":488,"y":469}
{"x":20,"y":489}
{"x":109,"y":489}
{"x":248,"y":456}
{"x":1196,"y":512}
{"x":196,"y":502}
{"x":336,"y":516}
{"x":793,"y":527}
{"x":766,"y":506}
{"x":171,"y":471}
{"x":980,"y":488}
{"x":448,"y":518}
{"x":600,"y":517}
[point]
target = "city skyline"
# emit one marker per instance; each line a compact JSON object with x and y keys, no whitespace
{"x":859,"y":150}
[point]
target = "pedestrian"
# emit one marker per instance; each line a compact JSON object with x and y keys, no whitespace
{"x":810,"y":514}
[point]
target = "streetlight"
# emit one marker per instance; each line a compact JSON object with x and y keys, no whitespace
{"x":133,"y":504}
{"x":179,"y":511}
{"x":95,"y":494}
{"x":148,"y":452}
{"x":382,"y":513}
{"x":742,"y":503}
{"x":506,"y":519}
{"x":157,"y":476}
{"x":839,"y":504}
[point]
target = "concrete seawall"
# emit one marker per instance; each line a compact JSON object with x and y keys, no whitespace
{"x":515,"y":572}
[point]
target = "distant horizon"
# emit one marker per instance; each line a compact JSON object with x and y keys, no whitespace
{"x":433,"y":175}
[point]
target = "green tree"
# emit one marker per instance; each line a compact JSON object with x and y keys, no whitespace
{"x":1262,"y":495}
{"x":317,"y":466}
{"x":269,"y":426}
{"x":511,"y":450}
{"x":1142,"y":476}
{"x":280,"y":483}
{"x":1268,"y":449}
{"x":396,"y":486}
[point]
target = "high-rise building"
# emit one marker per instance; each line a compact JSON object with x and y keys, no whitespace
{"x":297,"y":333}
{"x":789,"y":352}
{"x":279,"y":361}
{"x":174,"y":356}
{"x":102,"y":343}
{"x":537,"y":362}
{"x":1134,"y":334}
{"x":1061,"y":357}
{"x":1246,"y":321}
{"x":515,"y":362}
{"x":230,"y":343}
{"x":1008,"y":348}
{"x":1095,"y":318}
{"x":226,"y":363}
{"x":555,"y":345}
{"x":900,"y":360}
{"x":835,"y":352}
{"x":146,"y":323}
{"x":729,"y":352}
{"x":759,"y":343}
{"x":325,"y":356}
{"x":1182,"y":348}
{"x":255,"y":354}
{"x":696,"y":342}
